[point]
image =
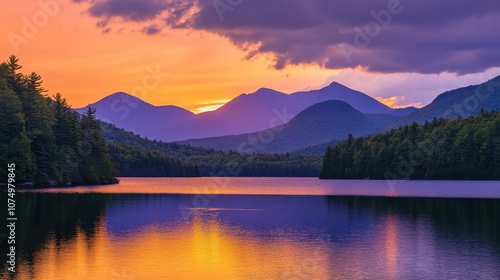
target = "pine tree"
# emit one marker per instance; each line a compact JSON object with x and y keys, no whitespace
{"x":96,"y":162}
{"x":67,"y":134}
{"x":458,"y":149}
{"x":43,"y":137}
{"x":14,"y":144}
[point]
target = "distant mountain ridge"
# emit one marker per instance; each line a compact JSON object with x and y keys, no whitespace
{"x":246,"y":113}
{"x":321,"y":123}
{"x":133,"y":114}
{"x":467,"y":101}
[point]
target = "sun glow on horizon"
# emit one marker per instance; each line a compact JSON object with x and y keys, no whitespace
{"x":397,"y":102}
{"x":209,"y":106}
{"x":199,"y":67}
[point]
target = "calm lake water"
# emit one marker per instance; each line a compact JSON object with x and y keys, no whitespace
{"x":259,"y":228}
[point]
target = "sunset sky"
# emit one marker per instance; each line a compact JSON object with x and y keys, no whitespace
{"x":199,"y":54}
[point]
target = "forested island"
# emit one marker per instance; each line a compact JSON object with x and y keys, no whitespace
{"x":458,"y":149}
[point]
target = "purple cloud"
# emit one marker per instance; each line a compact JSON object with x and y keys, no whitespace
{"x":128,"y":9}
{"x":151,"y":29}
{"x":386,"y":36}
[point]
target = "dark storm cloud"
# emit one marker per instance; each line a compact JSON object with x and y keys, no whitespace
{"x":128,"y":9}
{"x":380,"y":35}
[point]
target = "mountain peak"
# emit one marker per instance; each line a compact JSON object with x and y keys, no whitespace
{"x":119,"y":93}
{"x":263,"y":90}
{"x":334,"y":106}
{"x":336,"y":85}
{"x":123,"y":97}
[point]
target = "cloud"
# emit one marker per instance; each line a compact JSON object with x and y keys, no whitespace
{"x":151,"y":29}
{"x":386,"y":36}
{"x":132,"y":10}
{"x":417,"y":89}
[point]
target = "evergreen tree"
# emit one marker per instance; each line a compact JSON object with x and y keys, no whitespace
{"x":14,"y":144}
{"x":67,"y":136}
{"x":96,"y":163}
{"x":45,"y":138}
{"x":441,"y":149}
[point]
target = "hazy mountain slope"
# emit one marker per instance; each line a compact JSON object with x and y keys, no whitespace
{"x":133,"y":114}
{"x":246,"y":113}
{"x":336,"y":91}
{"x":268,"y":108}
{"x":404,"y":111}
{"x":467,"y":101}
{"x":318,"y":124}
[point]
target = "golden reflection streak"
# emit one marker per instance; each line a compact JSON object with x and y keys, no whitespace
{"x":391,"y":244}
{"x":203,"y":249}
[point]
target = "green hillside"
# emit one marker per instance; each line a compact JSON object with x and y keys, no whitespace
{"x":204,"y":162}
{"x":459,"y":149}
{"x":136,"y":162}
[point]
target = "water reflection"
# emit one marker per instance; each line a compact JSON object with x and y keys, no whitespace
{"x":391,"y":243}
{"x":293,"y":186}
{"x":103,"y":236}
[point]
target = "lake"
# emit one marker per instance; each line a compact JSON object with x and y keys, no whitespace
{"x":259,"y":228}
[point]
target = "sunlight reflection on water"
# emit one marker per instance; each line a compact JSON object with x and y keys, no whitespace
{"x":103,"y":235}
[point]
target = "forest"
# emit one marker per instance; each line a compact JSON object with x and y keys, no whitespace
{"x":48,"y":142}
{"x":207,"y":162}
{"x":458,"y":149}
{"x":135,"y":162}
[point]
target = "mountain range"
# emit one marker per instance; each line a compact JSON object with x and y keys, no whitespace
{"x":271,"y":121}
{"x":263,"y":109}
{"x":318,"y":124}
{"x":312,"y":132}
{"x":467,"y":101}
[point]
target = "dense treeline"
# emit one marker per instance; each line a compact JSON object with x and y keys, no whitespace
{"x":114,"y":134}
{"x":136,"y":162}
{"x":49,"y":143}
{"x":458,"y":149}
{"x":257,"y":165}
{"x":216,"y":163}
{"x":317,"y":149}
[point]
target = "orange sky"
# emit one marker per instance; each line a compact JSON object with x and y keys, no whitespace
{"x":198,"y":71}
